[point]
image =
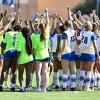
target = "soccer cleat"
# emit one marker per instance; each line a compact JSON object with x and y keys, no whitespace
{"x":63,"y":89}
{"x":44,"y":90}
{"x":73,"y":89}
{"x":38,"y":90}
{"x":52,"y":85}
{"x":1,"y":89}
{"x":30,"y":86}
{"x":48,"y":89}
{"x":56,"y":87}
{"x":88,"y":89}
{"x":13,"y":89}
{"x":24,"y":90}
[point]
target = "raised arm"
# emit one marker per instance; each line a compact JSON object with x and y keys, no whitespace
{"x":69,"y":13}
{"x":91,"y":17}
{"x":53,"y":23}
{"x":32,"y":30}
{"x":4,"y":28}
{"x":77,"y":20}
{"x":47,"y":17}
{"x":26,"y":23}
{"x":96,"y":18}
{"x":60,"y":19}
{"x":81,"y":18}
{"x":1,"y":22}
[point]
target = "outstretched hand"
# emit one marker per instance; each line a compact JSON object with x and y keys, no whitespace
{"x":79,"y":13}
{"x":46,"y":10}
{"x":68,"y":7}
{"x":94,"y":11}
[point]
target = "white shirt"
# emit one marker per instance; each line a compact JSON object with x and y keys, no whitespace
{"x":54,"y":42}
{"x":73,"y":40}
{"x":67,"y":48}
{"x":98,"y":41}
{"x":86,"y":45}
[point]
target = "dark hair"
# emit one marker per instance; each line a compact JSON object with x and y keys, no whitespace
{"x":42,"y":35}
{"x":67,"y":23}
{"x":62,"y":28}
{"x":25,"y":32}
{"x":17,"y":28}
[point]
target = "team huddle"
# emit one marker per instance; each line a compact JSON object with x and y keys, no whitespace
{"x":46,"y":45}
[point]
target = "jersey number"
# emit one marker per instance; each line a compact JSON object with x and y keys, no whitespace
{"x":14,"y":39}
{"x":72,"y":39}
{"x":84,"y":39}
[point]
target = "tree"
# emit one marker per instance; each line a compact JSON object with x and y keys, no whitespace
{"x":87,"y":7}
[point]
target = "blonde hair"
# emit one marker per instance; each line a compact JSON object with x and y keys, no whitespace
{"x":88,"y":25}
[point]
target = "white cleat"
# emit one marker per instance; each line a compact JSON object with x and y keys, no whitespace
{"x":38,"y":90}
{"x":88,"y":89}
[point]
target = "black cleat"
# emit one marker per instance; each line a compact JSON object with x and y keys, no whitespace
{"x":1,"y":89}
{"x":56,"y":87}
{"x":63,"y":89}
{"x":73,"y":89}
{"x":13,"y":89}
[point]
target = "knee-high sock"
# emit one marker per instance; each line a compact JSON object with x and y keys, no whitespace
{"x":55,"y":78}
{"x":88,"y":79}
{"x":98,"y":79}
{"x":82,"y":77}
{"x":92,"y":80}
{"x":73,"y":81}
{"x":64,"y":80}
{"x":60,"y":77}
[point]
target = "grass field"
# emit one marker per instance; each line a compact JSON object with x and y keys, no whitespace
{"x":58,"y":95}
{"x":50,"y":96}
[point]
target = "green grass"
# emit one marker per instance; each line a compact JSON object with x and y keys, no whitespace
{"x":50,"y":96}
{"x":58,"y":95}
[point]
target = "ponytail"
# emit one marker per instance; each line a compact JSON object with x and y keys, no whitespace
{"x":42,"y":35}
{"x":25,"y":33}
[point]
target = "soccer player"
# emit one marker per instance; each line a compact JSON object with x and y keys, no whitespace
{"x":97,"y":63}
{"x":24,"y":47}
{"x":55,"y":47}
{"x":67,"y":56}
{"x":88,"y":49}
{"x":41,"y":46}
{"x":10,"y":59}
{"x":8,"y":48}
{"x":2,"y":31}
